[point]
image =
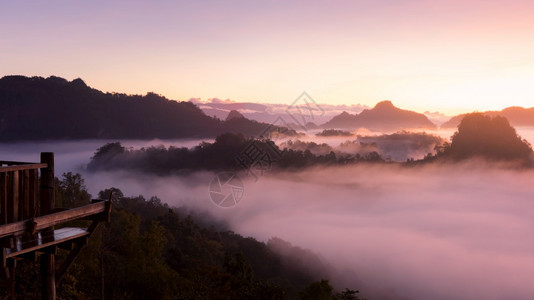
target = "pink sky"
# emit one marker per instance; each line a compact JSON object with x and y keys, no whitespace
{"x":451,"y":56}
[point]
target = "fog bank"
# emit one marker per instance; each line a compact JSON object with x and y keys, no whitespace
{"x":435,"y":232}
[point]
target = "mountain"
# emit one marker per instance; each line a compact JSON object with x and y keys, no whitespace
{"x":37,"y":108}
{"x":234,"y":114}
{"x":489,"y":137}
{"x":384,"y":116}
{"x":517,"y":116}
{"x":269,"y":112}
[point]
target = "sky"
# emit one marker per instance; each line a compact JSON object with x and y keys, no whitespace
{"x":448,"y":56}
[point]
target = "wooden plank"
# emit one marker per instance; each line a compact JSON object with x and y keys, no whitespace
{"x":74,"y":253}
{"x":16,"y":198}
{"x":11,"y":282}
{"x":3,"y":199}
{"x":22,"y":167}
{"x":48,"y":277}
{"x":59,"y":236}
{"x":10,"y":197}
{"x":45,"y":221}
{"x":24,"y":195}
{"x":33,"y":192}
{"x":47,"y":183}
{"x":14,"y":163}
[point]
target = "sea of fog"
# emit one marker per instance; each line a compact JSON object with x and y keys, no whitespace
{"x":434,"y":232}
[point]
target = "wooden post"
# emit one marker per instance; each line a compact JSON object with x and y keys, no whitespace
{"x":48,"y":266}
{"x":11,"y":281}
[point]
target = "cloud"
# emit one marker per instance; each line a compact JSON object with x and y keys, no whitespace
{"x":435,"y":232}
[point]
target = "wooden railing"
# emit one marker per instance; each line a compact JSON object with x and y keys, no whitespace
{"x":19,"y":191}
{"x":28,"y":217}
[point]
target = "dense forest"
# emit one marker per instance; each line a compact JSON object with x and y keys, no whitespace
{"x":334,"y":132}
{"x":478,"y":136}
{"x":485,"y":137}
{"x":36,"y":108}
{"x":153,"y":251}
{"x":228,"y":152}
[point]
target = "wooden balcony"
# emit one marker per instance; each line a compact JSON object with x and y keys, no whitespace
{"x":28,"y":217}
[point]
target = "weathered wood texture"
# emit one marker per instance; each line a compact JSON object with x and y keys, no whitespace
{"x":28,"y":217}
{"x":19,"y":190}
{"x":48,"y":262}
{"x":43,"y":222}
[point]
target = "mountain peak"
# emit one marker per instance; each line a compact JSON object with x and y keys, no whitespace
{"x":384,"y":116}
{"x":384,"y":104}
{"x":234,"y":114}
{"x":79,"y":83}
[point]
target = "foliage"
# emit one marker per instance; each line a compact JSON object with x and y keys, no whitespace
{"x":36,"y":108}
{"x":320,"y":290}
{"x":486,"y":137}
{"x":491,"y":138}
{"x":71,"y":191}
{"x":223,"y":154}
{"x":334,"y":132}
{"x":152,"y":251}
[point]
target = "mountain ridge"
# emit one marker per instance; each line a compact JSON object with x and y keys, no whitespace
{"x":517,"y":116}
{"x":37,"y":108}
{"x":383,"y":116}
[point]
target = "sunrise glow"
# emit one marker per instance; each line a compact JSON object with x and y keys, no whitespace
{"x":449,"y":56}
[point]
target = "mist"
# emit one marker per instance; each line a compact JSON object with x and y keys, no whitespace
{"x":433,"y":232}
{"x":425,"y":233}
{"x":73,"y":156}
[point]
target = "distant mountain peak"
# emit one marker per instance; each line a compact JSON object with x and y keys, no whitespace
{"x":234,"y":114}
{"x":516,"y":115}
{"x":384,"y":116}
{"x":384,"y":105}
{"x":79,"y":82}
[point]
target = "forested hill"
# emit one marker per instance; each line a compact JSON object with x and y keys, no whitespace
{"x":152,"y":251}
{"x":37,"y":108}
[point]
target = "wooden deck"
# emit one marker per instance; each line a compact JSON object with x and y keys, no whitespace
{"x":43,"y":240}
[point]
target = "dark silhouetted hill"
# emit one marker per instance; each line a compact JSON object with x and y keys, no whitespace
{"x":36,"y":108}
{"x":150,"y":250}
{"x":492,"y":138}
{"x":384,"y":116}
{"x":517,"y":116}
{"x":229,"y":152}
{"x":234,"y":114}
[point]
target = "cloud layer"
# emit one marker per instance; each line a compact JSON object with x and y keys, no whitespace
{"x":437,"y":232}
{"x":434,"y":232}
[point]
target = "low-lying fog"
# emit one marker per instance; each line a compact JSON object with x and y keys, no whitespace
{"x":461,"y":232}
{"x":441,"y":232}
{"x":433,"y":232}
{"x":73,"y":156}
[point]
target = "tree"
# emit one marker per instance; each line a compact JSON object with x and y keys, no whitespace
{"x":71,"y":191}
{"x":479,"y":135}
{"x":115,"y":193}
{"x":347,"y":294}
{"x":319,"y":290}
